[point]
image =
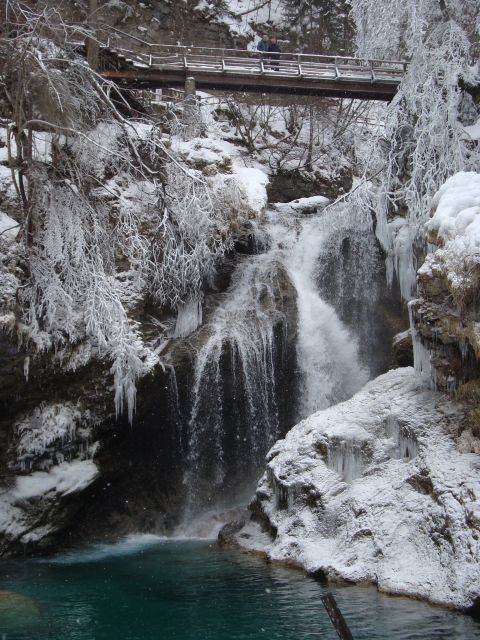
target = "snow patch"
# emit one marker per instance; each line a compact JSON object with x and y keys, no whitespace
{"x":64,"y":479}
{"x":473,"y":131}
{"x":254,"y":181}
{"x":9,"y":228}
{"x":456,"y":207}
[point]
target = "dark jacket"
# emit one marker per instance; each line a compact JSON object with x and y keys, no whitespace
{"x":274,"y":51}
{"x":262,"y":46}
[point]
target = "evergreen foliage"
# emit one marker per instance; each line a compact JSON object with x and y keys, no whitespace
{"x":323,"y":25}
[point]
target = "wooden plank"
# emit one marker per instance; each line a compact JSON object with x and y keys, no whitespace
{"x":336,"y":617}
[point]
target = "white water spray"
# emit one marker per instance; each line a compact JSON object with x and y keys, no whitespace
{"x":239,"y":372}
{"x":327,"y":352}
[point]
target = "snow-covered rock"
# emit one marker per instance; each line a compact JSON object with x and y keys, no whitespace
{"x":50,"y":434}
{"x":254,"y":182}
{"x":446,"y":316}
{"x":239,"y":16}
{"x":303,"y":205}
{"x":50,"y":463}
{"x":375,"y":489}
{"x":23,"y":506}
{"x":456,"y":207}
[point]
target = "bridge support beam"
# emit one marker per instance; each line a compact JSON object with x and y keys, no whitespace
{"x":190,"y":109}
{"x":190,"y":87}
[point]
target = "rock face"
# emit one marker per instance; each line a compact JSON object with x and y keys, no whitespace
{"x":157,"y":21}
{"x":446,"y":316}
{"x":375,"y":489}
{"x":403,"y":349}
{"x":285,"y":186}
{"x":447,"y":327}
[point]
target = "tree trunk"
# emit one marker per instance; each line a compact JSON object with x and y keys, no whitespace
{"x":444,"y":9}
{"x":92,"y":43}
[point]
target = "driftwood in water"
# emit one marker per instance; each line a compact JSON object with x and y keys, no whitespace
{"x":336,"y":617}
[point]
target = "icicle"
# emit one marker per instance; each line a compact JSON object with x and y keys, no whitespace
{"x":345,"y":457}
{"x":422,"y":359}
{"x":406,"y":443}
{"x":189,"y":318}
{"x":26,"y":367}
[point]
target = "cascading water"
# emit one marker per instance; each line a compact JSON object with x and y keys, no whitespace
{"x":237,"y":411}
{"x":350,"y":275}
{"x":274,"y":352}
{"x":327,"y":352}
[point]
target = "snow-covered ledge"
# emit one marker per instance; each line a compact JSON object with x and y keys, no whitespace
{"x":375,"y":489}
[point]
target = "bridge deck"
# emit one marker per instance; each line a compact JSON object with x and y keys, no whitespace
{"x":161,"y":65}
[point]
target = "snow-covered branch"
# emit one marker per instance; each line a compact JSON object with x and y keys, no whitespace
{"x":111,"y":215}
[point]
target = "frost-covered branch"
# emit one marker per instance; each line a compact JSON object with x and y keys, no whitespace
{"x":423,"y":141}
{"x":111,"y":215}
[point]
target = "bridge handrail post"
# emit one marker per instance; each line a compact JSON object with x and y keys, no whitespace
{"x":337,"y":72}
{"x":299,"y":64}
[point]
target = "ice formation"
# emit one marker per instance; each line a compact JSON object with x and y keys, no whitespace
{"x":456,"y":207}
{"x":395,"y":504}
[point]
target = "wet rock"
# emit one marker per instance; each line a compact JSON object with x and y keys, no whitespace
{"x":403,"y":349}
{"x":226,"y":536}
{"x":286,"y":186}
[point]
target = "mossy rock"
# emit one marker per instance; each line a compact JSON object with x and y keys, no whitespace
{"x":17,"y":611}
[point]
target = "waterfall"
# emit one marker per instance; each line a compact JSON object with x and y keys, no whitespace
{"x":327,"y":352}
{"x":237,"y":381}
{"x":273,"y":352}
{"x":351,"y":277}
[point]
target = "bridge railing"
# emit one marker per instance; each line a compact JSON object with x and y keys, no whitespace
{"x":218,"y":61}
{"x":225,"y":59}
{"x":165,"y":57}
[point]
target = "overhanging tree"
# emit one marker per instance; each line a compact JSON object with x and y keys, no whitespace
{"x":423,"y":141}
{"x":109,"y":215}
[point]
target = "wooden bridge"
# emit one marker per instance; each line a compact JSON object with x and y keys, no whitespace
{"x":153,"y":66}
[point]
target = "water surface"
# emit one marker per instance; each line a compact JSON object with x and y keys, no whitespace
{"x":146,"y":588}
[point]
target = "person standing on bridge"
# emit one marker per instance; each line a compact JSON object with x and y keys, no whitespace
{"x":263,"y":44}
{"x":274,"y":52}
